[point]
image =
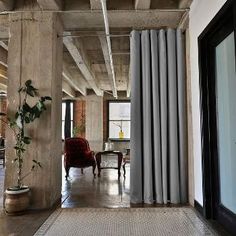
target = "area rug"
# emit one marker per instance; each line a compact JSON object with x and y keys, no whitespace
{"x":124,"y":222}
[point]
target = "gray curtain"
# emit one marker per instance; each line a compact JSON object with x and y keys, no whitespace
{"x":158,"y":117}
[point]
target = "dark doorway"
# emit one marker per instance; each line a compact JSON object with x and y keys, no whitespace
{"x":217,"y":55}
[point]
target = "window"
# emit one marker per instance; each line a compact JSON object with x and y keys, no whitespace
{"x":119,"y":119}
{"x":63,"y":118}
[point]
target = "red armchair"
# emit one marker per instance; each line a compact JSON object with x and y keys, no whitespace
{"x":78,"y":154}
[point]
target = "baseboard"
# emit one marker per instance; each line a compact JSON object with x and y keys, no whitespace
{"x":198,"y":207}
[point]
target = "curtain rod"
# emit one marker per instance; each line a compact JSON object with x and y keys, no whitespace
{"x":95,"y":35}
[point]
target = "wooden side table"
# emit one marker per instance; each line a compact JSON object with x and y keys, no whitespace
{"x":119,"y":159}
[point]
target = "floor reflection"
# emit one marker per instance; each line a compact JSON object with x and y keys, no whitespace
{"x":82,"y":190}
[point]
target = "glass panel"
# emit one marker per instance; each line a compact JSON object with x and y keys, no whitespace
{"x":115,"y":127}
{"x":63,"y":110}
{"x":119,"y":111}
{"x":71,"y":110}
{"x":62,"y":129}
{"x":226,"y":108}
{"x":71,"y":128}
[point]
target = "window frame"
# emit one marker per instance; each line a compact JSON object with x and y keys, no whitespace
{"x":71,"y":120}
{"x":108,"y":119}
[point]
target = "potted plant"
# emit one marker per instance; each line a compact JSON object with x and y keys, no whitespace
{"x":17,"y":197}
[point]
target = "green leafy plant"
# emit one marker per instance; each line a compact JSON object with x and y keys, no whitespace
{"x":80,"y":128}
{"x":24,"y":115}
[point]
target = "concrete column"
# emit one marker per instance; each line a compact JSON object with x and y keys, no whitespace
{"x":94,"y":122}
{"x":36,"y":52}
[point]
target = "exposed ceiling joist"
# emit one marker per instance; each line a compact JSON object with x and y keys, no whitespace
{"x":73,"y":82}
{"x":50,"y":4}
{"x":142,"y":4}
{"x":6,"y":5}
{"x":3,"y":80}
{"x":185,"y":3}
{"x":103,"y":42}
{"x":3,"y":88}
{"x":4,"y":45}
{"x":3,"y":56}
{"x":123,"y":19}
{"x":66,"y":88}
{"x":82,"y":63}
{"x":95,"y":5}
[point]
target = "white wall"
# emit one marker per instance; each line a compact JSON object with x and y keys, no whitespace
{"x":201,"y":13}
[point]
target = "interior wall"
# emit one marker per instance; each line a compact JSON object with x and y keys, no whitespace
{"x":201,"y":13}
{"x":94,"y":122}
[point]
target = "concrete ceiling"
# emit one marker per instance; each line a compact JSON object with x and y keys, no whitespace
{"x":86,"y":61}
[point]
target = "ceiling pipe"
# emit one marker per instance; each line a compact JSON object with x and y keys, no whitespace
{"x":107,"y":31}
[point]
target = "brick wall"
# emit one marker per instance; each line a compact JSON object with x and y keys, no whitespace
{"x":79,"y":117}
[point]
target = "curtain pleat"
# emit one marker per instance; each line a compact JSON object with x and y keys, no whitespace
{"x":182,"y":111}
{"x":136,"y":164}
{"x":158,"y":117}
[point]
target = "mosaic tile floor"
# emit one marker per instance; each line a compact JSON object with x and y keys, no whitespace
{"x":116,"y":222}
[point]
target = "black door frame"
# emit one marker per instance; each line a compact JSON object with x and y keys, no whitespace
{"x":226,"y":16}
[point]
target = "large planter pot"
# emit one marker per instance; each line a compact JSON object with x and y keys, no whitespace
{"x":17,"y":201}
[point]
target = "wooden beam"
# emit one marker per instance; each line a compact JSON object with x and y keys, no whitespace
{"x":122,"y":19}
{"x":3,"y":56}
{"x":73,"y":82}
{"x":4,"y":45}
{"x":95,"y":5}
{"x":82,"y":63}
{"x":185,"y":3}
{"x":3,"y":88}
{"x":3,"y":80}
{"x":103,"y":43}
{"x":66,"y":88}
{"x":6,"y":5}
{"x":142,"y":4}
{"x":50,"y":4}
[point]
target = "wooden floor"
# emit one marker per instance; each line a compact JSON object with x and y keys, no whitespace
{"x":80,"y":190}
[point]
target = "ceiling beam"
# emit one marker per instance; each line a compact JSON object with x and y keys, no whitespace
{"x":50,"y":4}
{"x":142,"y":4}
{"x":73,"y":82}
{"x":66,"y":88}
{"x":82,"y":63}
{"x":4,"y":45}
{"x":95,"y":5}
{"x":3,"y":56}
{"x":122,"y":19}
{"x":3,"y":88}
{"x":105,"y":51}
{"x":3,"y":80}
{"x":185,"y":3}
{"x":6,"y":5}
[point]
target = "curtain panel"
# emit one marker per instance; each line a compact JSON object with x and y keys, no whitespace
{"x":158,"y":117}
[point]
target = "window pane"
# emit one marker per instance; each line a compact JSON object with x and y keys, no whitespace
{"x":226,"y":84}
{"x":71,"y":128}
{"x":62,"y":129}
{"x":115,"y":127}
{"x":71,"y":111}
{"x":119,"y":111}
{"x":63,"y":110}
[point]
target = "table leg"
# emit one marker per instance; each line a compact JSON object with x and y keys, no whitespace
{"x":120,"y":158}
{"x":98,"y":160}
{"x":124,"y":168}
